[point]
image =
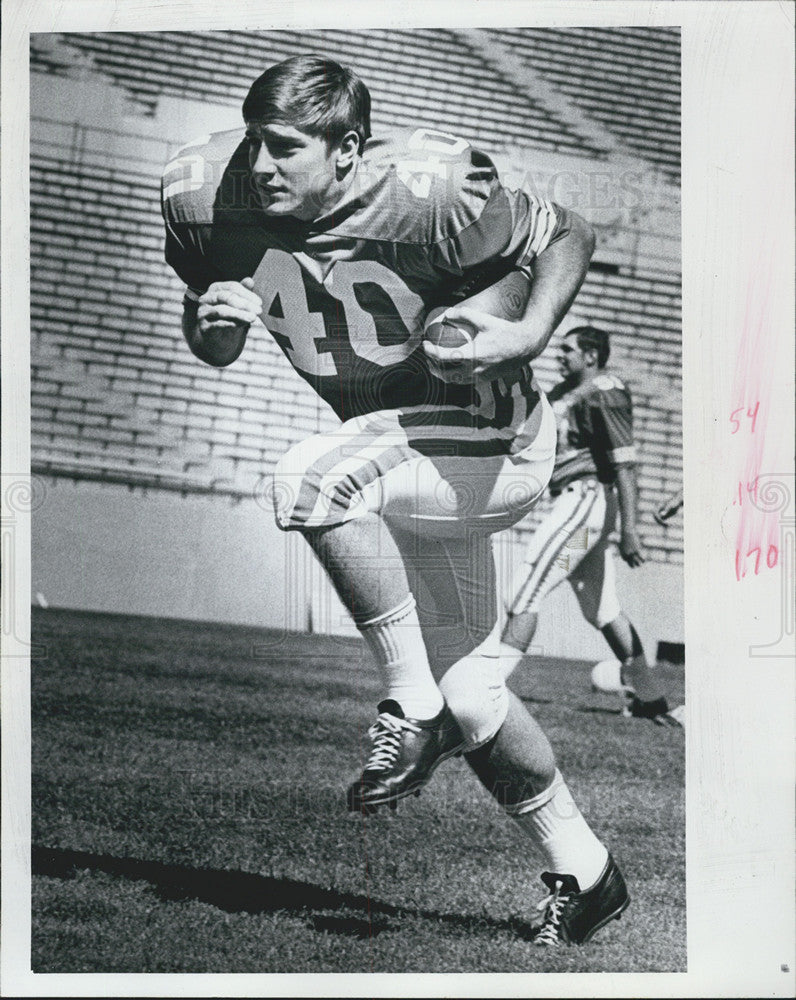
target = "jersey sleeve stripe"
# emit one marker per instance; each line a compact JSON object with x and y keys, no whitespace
{"x":528,"y":252}
{"x":621,"y":455}
{"x":542,"y":227}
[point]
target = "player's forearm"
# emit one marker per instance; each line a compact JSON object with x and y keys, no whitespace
{"x":218,"y":348}
{"x":627,"y":495}
{"x":558,"y":274}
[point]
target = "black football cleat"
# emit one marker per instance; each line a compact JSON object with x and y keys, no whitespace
{"x":405,"y":754}
{"x":657,"y":711}
{"x":574,"y":917}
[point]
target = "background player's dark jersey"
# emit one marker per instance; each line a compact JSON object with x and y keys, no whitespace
{"x":595,"y":429}
{"x":345,"y":296}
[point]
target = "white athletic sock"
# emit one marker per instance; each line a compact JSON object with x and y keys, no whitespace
{"x":396,"y":641}
{"x":509,"y":659}
{"x":556,"y":825}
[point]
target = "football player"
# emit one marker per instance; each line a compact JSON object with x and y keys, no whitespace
{"x":340,"y":244}
{"x":593,"y":483}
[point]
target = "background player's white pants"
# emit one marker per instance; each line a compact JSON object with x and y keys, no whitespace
{"x":443,"y":488}
{"x":573,"y":543}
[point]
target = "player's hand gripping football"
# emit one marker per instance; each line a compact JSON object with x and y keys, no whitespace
{"x":630,"y":549}
{"x":228,"y":306}
{"x":495,"y":348}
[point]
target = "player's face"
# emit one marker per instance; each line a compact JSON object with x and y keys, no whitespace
{"x":294,"y":173}
{"x":570,"y":357}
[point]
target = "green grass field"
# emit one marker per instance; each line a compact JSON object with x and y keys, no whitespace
{"x":189,"y":815}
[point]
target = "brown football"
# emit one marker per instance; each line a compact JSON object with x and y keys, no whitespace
{"x":444,"y":334}
{"x":506,"y":298}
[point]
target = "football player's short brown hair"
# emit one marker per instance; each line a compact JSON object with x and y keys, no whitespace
{"x":313,"y":94}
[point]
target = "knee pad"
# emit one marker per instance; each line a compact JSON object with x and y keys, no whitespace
{"x":476,"y":693}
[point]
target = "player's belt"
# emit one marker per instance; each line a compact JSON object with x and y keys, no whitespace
{"x":574,"y":485}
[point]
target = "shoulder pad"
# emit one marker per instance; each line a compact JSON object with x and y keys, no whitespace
{"x":200,"y":163}
{"x":437,"y":181}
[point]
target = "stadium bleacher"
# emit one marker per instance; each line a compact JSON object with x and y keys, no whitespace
{"x":626,"y":78}
{"x":417,"y":75}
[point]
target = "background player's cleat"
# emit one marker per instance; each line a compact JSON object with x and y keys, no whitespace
{"x":405,"y":754}
{"x":574,"y":917}
{"x":657,"y":711}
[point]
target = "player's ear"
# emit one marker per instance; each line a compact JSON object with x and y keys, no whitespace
{"x":348,"y":150}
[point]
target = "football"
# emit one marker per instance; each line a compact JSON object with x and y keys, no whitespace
{"x":606,"y":676}
{"x":444,"y":334}
{"x":438,"y":330}
{"x":507,"y":298}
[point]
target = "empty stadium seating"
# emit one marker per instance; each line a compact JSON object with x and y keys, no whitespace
{"x":412,"y":75}
{"x":626,"y":78}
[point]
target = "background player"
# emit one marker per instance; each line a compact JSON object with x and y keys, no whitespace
{"x":594,"y":481}
{"x":341,"y":249}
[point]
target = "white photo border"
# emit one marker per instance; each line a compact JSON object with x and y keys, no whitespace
{"x":738,"y":266}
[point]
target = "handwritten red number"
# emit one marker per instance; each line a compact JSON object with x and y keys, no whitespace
{"x":751,"y":413}
{"x":772,"y":558}
{"x":751,"y":489}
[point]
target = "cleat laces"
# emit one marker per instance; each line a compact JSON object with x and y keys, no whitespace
{"x":386,"y":734}
{"x":552,"y":906}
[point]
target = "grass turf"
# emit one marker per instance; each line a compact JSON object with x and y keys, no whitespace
{"x":189,"y":816}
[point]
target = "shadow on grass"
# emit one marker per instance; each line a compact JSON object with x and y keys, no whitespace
{"x":245,"y":892}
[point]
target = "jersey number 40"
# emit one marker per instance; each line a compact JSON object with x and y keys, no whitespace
{"x":362,"y":301}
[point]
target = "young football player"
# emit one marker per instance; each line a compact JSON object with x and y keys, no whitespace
{"x":594,"y":480}
{"x":340,"y":244}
